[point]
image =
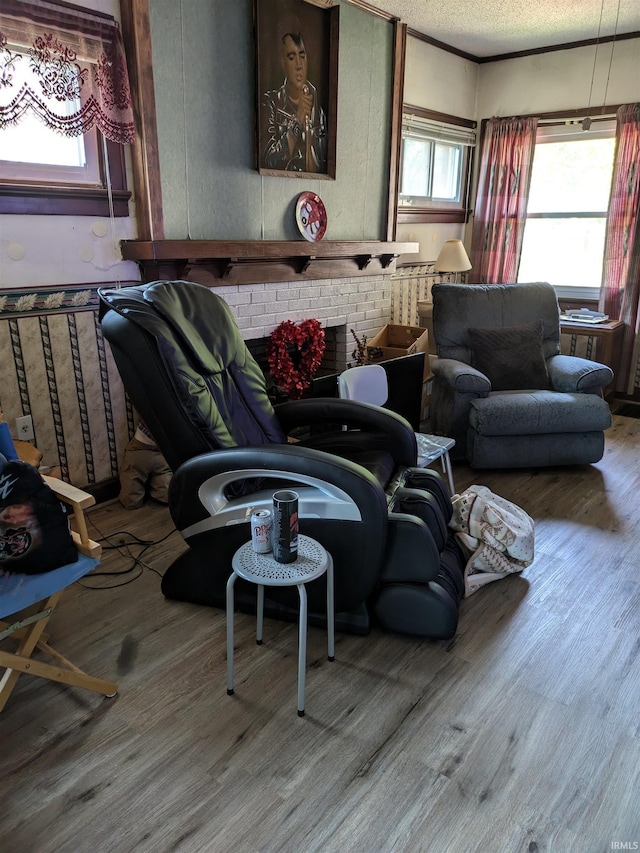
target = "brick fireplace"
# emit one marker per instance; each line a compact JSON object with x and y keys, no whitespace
{"x":330,"y":363}
{"x":360,"y":303}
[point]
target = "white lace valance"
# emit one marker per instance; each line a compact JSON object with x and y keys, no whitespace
{"x":65,"y":65}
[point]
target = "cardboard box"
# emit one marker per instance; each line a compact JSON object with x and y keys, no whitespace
{"x":393,"y":341}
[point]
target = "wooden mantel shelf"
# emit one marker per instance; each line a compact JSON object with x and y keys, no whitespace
{"x":220,"y":262}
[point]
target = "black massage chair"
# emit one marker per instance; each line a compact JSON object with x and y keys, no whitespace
{"x":191,"y":378}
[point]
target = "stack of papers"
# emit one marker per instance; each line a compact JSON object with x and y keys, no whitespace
{"x":584,"y":317}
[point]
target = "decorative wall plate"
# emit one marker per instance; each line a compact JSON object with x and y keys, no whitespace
{"x":311,"y":216}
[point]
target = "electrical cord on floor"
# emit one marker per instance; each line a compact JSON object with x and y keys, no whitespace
{"x":136,"y":561}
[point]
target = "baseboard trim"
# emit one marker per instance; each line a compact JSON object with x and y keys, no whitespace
{"x":105,"y":490}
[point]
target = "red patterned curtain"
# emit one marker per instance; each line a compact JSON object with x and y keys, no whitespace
{"x":620,"y":293}
{"x":76,"y":76}
{"x":501,"y":200}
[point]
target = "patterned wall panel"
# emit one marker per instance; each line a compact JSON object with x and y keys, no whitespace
{"x":583,"y":346}
{"x":411,"y":284}
{"x":56,"y":367}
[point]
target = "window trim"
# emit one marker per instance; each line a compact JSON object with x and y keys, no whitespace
{"x":69,"y":200}
{"x":456,"y":212}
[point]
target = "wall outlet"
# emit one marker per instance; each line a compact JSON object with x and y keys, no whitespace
{"x":24,"y":428}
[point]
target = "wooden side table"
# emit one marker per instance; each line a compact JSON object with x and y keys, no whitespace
{"x":604,"y":338}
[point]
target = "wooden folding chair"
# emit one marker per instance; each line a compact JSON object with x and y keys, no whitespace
{"x":30,"y":601}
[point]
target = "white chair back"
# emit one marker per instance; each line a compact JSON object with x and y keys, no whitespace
{"x":366,"y":384}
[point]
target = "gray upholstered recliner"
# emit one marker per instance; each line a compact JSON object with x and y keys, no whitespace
{"x":501,"y":388}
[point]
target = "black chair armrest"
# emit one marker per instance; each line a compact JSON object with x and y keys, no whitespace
{"x":399,"y":436}
{"x":340,"y":505}
{"x":199,"y":488}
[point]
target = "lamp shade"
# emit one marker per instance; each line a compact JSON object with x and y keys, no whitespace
{"x":452,"y":258}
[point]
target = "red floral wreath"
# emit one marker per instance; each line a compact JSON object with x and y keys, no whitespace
{"x":294,"y":353}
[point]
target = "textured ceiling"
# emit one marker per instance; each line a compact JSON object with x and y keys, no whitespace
{"x":494,"y":27}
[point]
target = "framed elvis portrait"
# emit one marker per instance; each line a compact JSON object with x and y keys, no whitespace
{"x":297,"y":87}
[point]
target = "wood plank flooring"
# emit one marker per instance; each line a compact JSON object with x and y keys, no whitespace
{"x":520,"y":734}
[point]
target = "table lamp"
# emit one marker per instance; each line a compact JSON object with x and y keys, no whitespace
{"x":452,"y":258}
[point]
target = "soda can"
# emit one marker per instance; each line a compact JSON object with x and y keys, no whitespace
{"x":285,"y":526}
{"x":261,"y":529}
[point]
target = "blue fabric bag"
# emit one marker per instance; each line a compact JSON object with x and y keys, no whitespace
{"x":6,"y":442}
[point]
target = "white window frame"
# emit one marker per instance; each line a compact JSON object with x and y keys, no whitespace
{"x":573,"y":132}
{"x":46,"y":189}
{"x":436,"y":132}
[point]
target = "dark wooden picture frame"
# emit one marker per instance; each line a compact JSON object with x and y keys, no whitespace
{"x":296,"y":88}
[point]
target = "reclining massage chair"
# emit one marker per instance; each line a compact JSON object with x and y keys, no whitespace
{"x":191,"y":378}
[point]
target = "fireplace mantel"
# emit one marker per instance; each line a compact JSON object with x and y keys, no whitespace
{"x":222,"y":262}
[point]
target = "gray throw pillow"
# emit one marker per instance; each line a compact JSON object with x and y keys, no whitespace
{"x":511,"y":357}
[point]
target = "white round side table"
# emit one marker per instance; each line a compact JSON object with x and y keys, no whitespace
{"x":261,"y":569}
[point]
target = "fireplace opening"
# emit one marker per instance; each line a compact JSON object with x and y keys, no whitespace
{"x":333,"y":360}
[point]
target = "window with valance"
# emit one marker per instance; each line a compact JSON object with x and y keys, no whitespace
{"x":65,"y":68}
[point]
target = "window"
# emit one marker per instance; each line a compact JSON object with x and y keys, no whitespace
{"x":434,"y":176}
{"x":32,"y":151}
{"x":70,"y":182}
{"x":564,"y":234}
{"x":66,"y":65}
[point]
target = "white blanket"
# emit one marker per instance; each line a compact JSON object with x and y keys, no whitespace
{"x":496,"y":535}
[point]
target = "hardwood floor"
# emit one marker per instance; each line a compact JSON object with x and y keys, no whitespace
{"x":520,"y":734}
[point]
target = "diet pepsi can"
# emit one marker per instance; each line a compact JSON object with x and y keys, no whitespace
{"x":261,"y":529}
{"x":285,"y":526}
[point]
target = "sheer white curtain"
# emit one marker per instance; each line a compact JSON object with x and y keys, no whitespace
{"x":77,"y":69}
